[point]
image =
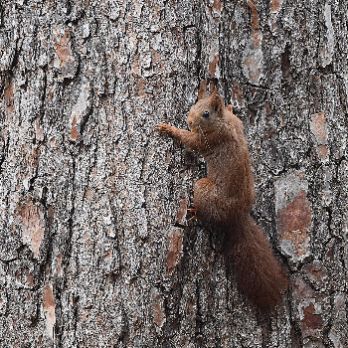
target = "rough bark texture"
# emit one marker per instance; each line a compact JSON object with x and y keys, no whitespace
{"x":90,"y":252}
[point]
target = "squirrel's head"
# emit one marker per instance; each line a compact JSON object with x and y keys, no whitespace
{"x":206,"y":114}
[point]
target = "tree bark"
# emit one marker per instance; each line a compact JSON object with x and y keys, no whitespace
{"x":95,"y":248}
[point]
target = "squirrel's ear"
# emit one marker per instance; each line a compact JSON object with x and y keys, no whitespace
{"x":216,"y":102}
{"x":214,"y":89}
{"x":202,"y":90}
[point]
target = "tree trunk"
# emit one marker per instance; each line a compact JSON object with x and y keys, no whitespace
{"x":95,"y":248}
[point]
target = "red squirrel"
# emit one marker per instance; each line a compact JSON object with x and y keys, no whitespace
{"x":225,"y":197}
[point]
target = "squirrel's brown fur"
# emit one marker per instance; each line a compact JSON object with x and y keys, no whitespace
{"x":225,"y":197}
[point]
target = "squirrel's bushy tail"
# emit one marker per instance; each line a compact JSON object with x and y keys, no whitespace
{"x":259,"y":275}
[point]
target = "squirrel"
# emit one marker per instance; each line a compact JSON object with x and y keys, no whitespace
{"x":225,"y":197}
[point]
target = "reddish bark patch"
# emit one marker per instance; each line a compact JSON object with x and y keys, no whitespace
{"x":311,"y":320}
{"x":158,"y":312}
{"x":254,"y":15}
{"x":80,"y":111}
{"x":213,"y":66}
{"x":48,"y":297}
{"x":308,"y":302}
{"x":297,"y":215}
{"x":8,"y":96}
{"x":74,"y":132}
{"x":217,"y":5}
{"x":39,"y":134}
{"x":182,"y":211}
{"x":49,"y":306}
{"x":140,"y":87}
{"x":174,"y":249}
{"x":30,"y":279}
{"x":63,"y":49}
{"x":33,"y":226}
{"x":255,"y":24}
{"x":275,"y":6}
{"x":295,"y":221}
{"x":319,"y":127}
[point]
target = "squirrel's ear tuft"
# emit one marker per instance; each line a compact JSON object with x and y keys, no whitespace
{"x":216,"y":102}
{"x":214,"y":89}
{"x":202,"y":90}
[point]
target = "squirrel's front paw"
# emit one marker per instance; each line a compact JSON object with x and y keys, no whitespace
{"x":164,"y":128}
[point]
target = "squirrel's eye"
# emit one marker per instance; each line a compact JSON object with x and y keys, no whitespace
{"x":205,"y":114}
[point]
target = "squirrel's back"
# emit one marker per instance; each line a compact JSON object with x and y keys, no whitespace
{"x":232,"y":165}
